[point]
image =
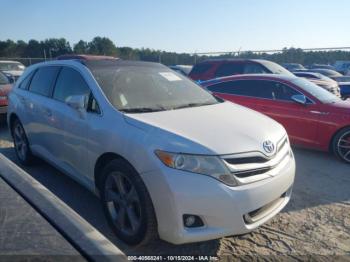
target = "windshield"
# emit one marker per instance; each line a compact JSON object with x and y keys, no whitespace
{"x":329,"y":73}
{"x":321,"y":94}
{"x":342,"y":79}
{"x":3,"y":79}
{"x":149,"y":88}
{"x":276,"y":68}
{"x":6,"y":66}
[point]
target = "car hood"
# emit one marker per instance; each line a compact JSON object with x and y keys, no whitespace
{"x":219,"y":129}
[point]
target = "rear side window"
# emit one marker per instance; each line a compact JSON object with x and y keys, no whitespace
{"x":201,"y":68}
{"x":70,"y":83}
{"x":228,"y":69}
{"x":43,"y":80}
{"x":250,"y":88}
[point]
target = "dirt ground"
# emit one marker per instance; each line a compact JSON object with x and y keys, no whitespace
{"x":315,"y":225}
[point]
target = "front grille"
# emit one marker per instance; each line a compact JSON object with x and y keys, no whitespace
{"x":251,"y":164}
{"x":246,"y":160}
{"x":252,"y":172}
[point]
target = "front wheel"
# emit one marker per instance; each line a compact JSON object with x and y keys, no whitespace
{"x":341,"y":145}
{"x":21,"y":144}
{"x":127,"y":204}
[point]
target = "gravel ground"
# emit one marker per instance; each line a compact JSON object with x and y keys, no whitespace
{"x":315,"y":225}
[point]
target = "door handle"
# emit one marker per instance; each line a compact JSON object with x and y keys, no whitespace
{"x":319,"y":113}
{"x":48,"y":112}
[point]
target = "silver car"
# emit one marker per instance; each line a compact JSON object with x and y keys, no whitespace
{"x":166,"y":157}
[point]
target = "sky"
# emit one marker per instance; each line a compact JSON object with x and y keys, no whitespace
{"x":182,"y":25}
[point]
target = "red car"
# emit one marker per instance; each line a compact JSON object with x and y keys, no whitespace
{"x":5,"y":88}
{"x":214,"y":68}
{"x":312,"y":116}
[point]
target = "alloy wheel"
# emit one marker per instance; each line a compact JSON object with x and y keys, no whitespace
{"x":344,"y":146}
{"x":123,"y":203}
{"x":20,"y":141}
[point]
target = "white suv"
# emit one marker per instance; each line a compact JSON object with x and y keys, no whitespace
{"x":167,"y":158}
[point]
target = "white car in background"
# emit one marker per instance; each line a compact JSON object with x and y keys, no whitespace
{"x":167,"y":158}
{"x":12,"y":69}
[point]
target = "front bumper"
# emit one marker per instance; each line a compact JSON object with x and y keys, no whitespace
{"x":224,"y":210}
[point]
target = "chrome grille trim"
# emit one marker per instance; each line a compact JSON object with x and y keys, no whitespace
{"x":244,"y":169}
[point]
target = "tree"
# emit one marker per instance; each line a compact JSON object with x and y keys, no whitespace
{"x":81,"y":47}
{"x":102,"y":46}
{"x":56,"y":46}
{"x":33,"y":49}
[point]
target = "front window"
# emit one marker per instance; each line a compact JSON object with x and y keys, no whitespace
{"x":6,"y":66}
{"x":138,"y":88}
{"x":321,"y":94}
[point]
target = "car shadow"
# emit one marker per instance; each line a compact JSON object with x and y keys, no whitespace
{"x":88,"y":206}
{"x":4,"y":132}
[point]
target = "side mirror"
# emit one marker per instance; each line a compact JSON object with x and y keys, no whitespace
{"x":77,"y":102}
{"x":300,"y":99}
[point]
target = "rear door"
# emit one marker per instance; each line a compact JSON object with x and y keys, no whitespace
{"x":72,"y":126}
{"x":38,"y":105}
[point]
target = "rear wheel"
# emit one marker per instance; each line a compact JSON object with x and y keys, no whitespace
{"x":21,"y":144}
{"x":341,"y":144}
{"x":127,"y":204}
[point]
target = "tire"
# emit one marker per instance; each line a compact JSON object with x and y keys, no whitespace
{"x":22,"y":148}
{"x":341,"y":145}
{"x":127,"y":204}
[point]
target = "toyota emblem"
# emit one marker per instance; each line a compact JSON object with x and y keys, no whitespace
{"x":269,"y":147}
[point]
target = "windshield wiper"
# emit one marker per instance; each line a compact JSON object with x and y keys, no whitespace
{"x":142,"y":109}
{"x":193,"y":105}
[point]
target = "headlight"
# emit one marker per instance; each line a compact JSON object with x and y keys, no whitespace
{"x":205,"y":165}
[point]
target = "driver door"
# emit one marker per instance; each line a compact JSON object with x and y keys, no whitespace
{"x":300,"y":120}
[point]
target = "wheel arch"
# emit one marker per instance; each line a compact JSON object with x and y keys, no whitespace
{"x":12,"y":119}
{"x":101,"y":163}
{"x":330,"y":146}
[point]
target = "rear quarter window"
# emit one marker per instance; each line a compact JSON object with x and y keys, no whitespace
{"x":43,"y":80}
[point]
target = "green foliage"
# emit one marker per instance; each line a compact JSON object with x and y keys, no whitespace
{"x":53,"y":47}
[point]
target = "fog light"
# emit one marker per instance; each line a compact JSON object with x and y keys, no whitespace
{"x":192,"y":221}
{"x":189,"y":221}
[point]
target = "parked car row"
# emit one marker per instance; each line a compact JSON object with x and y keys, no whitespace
{"x":168,"y":158}
{"x":316,"y":75}
{"x":320,"y":80}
